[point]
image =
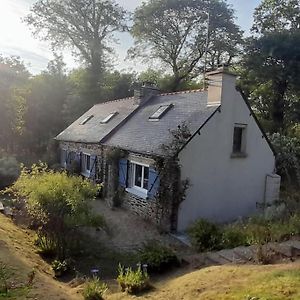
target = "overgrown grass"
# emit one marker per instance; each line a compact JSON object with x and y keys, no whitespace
{"x":133,"y":281}
{"x":94,"y":289}
{"x":276,"y":282}
{"x":206,"y":236}
{"x":157,"y":257}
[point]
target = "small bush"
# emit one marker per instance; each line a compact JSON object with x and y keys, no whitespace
{"x":133,"y":282}
{"x":234,"y":236}
{"x":94,"y":289}
{"x":60,"y":267}
{"x":205,"y":236}
{"x":46,"y":246}
{"x":158,"y":257}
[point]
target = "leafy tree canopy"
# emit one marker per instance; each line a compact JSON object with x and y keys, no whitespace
{"x":174,"y":32}
{"x":271,"y":77}
{"x":87,"y":27}
{"x":276,"y":15}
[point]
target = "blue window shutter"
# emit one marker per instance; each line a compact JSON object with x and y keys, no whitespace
{"x":68,"y":159}
{"x":123,"y":164}
{"x":153,"y":183}
{"x":78,"y":157}
{"x":93,"y":166}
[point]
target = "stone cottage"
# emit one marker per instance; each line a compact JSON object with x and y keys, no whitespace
{"x":173,"y":158}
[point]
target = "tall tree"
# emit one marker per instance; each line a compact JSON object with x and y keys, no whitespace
{"x":13,"y":79}
{"x":271,"y":76}
{"x":276,"y":15}
{"x":87,"y":27}
{"x":272,"y":61}
{"x":174,"y":32}
{"x":44,"y":117}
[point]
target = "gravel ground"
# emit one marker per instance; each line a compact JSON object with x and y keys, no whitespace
{"x":128,"y":231}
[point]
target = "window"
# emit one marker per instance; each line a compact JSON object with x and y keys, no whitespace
{"x":139,"y":176}
{"x":86,"y":120}
{"x":108,"y":118}
{"x":86,"y":164}
{"x":160,"y":112}
{"x":239,"y":140}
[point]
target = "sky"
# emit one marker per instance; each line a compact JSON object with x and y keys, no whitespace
{"x":16,"y":38}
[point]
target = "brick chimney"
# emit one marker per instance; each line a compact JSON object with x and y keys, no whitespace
{"x":218,"y":81}
{"x":145,"y":92}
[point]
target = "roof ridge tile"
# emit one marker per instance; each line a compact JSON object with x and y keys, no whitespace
{"x":115,"y":100}
{"x":182,"y":92}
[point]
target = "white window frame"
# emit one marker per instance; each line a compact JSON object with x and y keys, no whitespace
{"x":134,"y":189}
{"x":85,"y":171}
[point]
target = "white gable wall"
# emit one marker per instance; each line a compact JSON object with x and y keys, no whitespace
{"x":224,"y":188}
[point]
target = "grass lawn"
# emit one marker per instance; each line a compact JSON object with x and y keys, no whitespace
{"x":274,"y":282}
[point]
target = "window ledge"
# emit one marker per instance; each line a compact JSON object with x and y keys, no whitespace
{"x":238,"y":155}
{"x":136,"y":192}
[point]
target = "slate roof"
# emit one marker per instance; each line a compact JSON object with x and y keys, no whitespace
{"x":93,"y":131}
{"x":144,"y":136}
{"x":135,"y":132}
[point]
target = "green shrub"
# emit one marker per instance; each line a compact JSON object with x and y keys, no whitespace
{"x":205,"y":236}
{"x":94,"y":289}
{"x":294,"y":224}
{"x":60,"y":267}
{"x":57,"y":203}
{"x":234,"y":236}
{"x":132,"y":282}
{"x":9,"y":170}
{"x":157,"y":257}
{"x":46,"y":246}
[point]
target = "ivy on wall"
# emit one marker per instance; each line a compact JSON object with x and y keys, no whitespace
{"x":172,"y":189}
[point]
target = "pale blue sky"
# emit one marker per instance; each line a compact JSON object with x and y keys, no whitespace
{"x":16,"y":39}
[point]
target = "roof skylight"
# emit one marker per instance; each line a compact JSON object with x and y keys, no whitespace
{"x":160,"y":112}
{"x":108,"y":118}
{"x":86,"y":120}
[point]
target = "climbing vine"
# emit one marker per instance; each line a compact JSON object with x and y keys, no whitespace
{"x":172,"y":189}
{"x":114,"y":191}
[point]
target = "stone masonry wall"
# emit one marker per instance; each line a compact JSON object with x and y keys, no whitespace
{"x":148,"y":209}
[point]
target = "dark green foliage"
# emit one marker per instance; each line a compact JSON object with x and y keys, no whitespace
{"x":157,"y":257}
{"x":270,"y":77}
{"x":205,"y":236}
{"x":94,"y":289}
{"x":9,"y":170}
{"x":233,"y":237}
{"x":287,"y":157}
{"x":132,"y":282}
